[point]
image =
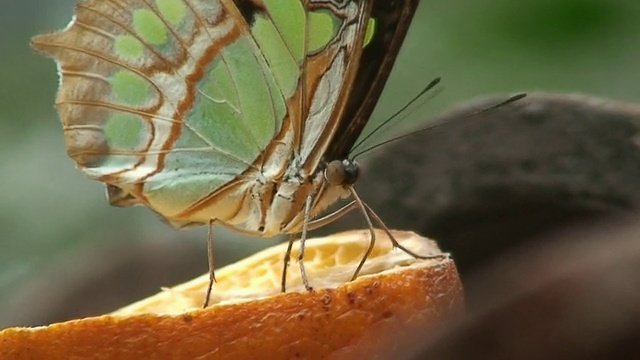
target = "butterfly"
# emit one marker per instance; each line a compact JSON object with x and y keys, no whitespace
{"x":240,"y":113}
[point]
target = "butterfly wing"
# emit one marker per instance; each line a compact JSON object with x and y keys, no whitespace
{"x":392,"y":20}
{"x":182,"y":105}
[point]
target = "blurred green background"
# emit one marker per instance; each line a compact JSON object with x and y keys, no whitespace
{"x":55,"y":223}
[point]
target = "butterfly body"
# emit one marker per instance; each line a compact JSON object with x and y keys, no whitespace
{"x":223,"y":111}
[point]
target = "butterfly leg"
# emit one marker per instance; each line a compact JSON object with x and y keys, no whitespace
{"x":329,"y":218}
{"x":285,"y":265}
{"x":367,"y":219}
{"x":303,"y":240}
{"x":312,"y":225}
{"x":325,"y":220}
{"x":395,"y":242}
{"x":212,"y":275}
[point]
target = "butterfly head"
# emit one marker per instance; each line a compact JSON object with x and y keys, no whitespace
{"x":342,"y":172}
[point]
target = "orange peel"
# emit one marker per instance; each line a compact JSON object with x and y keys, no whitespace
{"x":395,"y":296}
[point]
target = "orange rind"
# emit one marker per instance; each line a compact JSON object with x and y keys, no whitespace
{"x":395,"y":296}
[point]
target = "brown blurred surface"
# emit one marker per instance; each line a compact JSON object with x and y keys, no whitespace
{"x":577,"y":297}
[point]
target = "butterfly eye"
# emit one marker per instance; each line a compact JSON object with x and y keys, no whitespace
{"x":351,"y":171}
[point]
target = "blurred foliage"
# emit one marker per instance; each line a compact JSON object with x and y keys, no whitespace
{"x":48,"y":210}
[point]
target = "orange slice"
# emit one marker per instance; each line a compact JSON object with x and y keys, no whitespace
{"x":249,"y":318}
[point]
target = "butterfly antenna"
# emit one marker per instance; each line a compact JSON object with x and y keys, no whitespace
{"x":426,"y":89}
{"x":507,"y":101}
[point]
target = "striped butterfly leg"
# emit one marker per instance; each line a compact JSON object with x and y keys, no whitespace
{"x":367,"y":214}
{"x":285,"y":263}
{"x":309,"y":225}
{"x":325,"y":220}
{"x":337,"y":173}
{"x":372,"y":239}
{"x":212,"y":275}
{"x":395,"y":242}
{"x":303,"y":240}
